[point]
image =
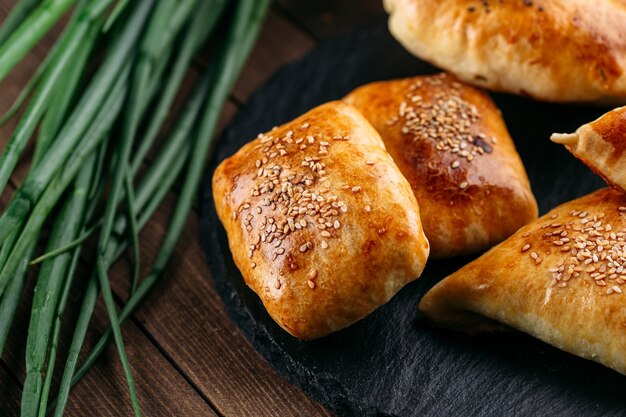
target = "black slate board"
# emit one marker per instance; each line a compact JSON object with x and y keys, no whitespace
{"x":392,"y":362}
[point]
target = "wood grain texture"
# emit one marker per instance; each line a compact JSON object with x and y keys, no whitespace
{"x":188,"y":357}
{"x":214,"y":354}
{"x":10,"y":394}
{"x":162,"y":390}
{"x":326,"y":18}
{"x":280,"y":41}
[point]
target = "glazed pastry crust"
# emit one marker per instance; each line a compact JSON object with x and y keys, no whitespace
{"x":558,"y":50}
{"x":348,"y":248}
{"x":601,"y":145}
{"x":520,"y":283}
{"x":467,"y":204}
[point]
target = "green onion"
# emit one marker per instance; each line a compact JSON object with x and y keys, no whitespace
{"x":19,"y":12}
{"x":92,"y":136}
{"x":78,"y":122}
{"x":29,"y":32}
{"x":48,"y":290}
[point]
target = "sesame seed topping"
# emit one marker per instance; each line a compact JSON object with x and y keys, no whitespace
{"x":463,"y":185}
{"x":312,"y":274}
{"x":290,"y":194}
{"x":367,"y":208}
{"x":356,"y":189}
{"x":369,"y":162}
{"x":590,"y":248}
{"x":311,"y":284}
{"x":526,"y":247}
{"x":445,"y":118}
{"x":455,"y":164}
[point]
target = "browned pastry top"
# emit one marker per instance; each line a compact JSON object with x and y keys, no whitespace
{"x":561,"y":279}
{"x":450,"y":142}
{"x":320,"y":221}
{"x":601,"y":145}
{"x":558,"y":50}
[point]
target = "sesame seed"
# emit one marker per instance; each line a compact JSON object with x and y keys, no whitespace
{"x":311,"y":284}
{"x":590,"y":242}
{"x":455,"y":164}
{"x":312,"y":274}
{"x":284,"y":200}
{"x":336,"y":224}
{"x":534,"y":255}
{"x":526,"y":247}
{"x":367,"y":208}
{"x":356,"y":189}
{"x":445,"y":119}
{"x":463,"y":185}
{"x":369,"y":162}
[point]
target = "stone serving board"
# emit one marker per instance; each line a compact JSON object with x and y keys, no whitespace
{"x":393,"y":363}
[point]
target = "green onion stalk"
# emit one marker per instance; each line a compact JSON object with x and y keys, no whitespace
{"x":95,"y":108}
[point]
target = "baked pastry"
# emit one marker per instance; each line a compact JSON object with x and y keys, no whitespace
{"x":601,"y":145}
{"x":450,"y":142}
{"x":556,"y":50}
{"x":320,"y":221}
{"x":560,"y":279}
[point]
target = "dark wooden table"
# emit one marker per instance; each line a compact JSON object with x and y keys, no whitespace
{"x":188,"y":357}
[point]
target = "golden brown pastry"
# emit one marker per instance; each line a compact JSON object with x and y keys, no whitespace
{"x":320,"y":221}
{"x":561,"y":279}
{"x":450,"y":142}
{"x":556,"y":50}
{"x":601,"y":145}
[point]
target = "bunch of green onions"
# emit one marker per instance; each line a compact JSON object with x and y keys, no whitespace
{"x":95,"y":108}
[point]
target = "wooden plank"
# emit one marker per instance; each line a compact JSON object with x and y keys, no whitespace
{"x":280,"y":42}
{"x":327,"y":18}
{"x":161,"y":389}
{"x":186,"y":318}
{"x":103,"y":391}
{"x":10,"y":394}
